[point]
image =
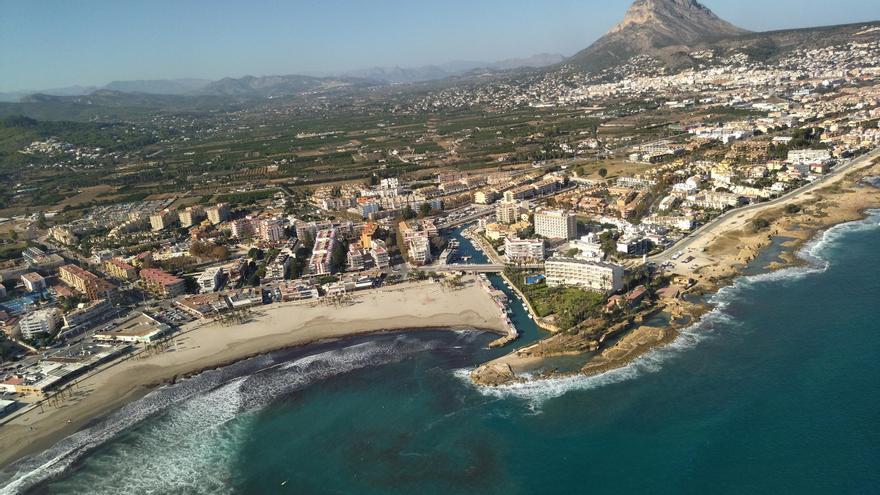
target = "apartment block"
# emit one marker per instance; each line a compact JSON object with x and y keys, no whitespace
{"x":86,"y":282}
{"x":161,"y":283}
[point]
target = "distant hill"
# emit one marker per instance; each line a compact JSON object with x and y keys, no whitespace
{"x":273,"y":86}
{"x":403,"y":75}
{"x":160,"y":86}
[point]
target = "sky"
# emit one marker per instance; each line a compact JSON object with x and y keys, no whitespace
{"x":51,"y":44}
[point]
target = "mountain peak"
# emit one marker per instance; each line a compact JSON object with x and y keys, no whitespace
{"x":680,"y":20}
{"x":663,"y":29}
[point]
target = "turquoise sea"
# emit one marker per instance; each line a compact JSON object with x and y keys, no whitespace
{"x":776,"y":391}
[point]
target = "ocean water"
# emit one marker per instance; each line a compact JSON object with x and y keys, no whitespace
{"x":776,"y":391}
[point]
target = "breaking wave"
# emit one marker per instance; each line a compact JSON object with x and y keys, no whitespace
{"x":203,"y":419}
{"x":536,"y":392}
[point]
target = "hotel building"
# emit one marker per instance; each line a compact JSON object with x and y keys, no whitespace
{"x":555,"y":224}
{"x":593,"y":275}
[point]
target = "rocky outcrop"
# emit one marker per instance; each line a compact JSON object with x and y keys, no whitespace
{"x":495,"y":375}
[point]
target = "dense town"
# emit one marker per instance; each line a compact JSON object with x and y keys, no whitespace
{"x":124,"y":276}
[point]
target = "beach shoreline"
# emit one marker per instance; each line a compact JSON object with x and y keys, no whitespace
{"x":202,"y":346}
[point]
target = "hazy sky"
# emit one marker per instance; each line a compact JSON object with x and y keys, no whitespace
{"x":48,"y":44}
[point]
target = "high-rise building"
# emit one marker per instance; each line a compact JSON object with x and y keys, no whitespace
{"x":162,"y":220}
{"x":243,"y":228}
{"x":271,"y":229}
{"x":507,"y":212}
{"x":191,"y":216}
{"x":555,"y":224}
{"x":218,"y":213}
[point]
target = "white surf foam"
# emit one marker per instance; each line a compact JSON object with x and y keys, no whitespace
{"x":205,"y":418}
{"x":536,"y":392}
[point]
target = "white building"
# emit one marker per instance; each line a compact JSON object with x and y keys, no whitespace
{"x":271,"y":229}
{"x":593,"y":275}
{"x":555,"y":224}
{"x":809,"y":156}
{"x":380,"y":254}
{"x":590,"y":247}
{"x":210,"y":279}
{"x":39,"y":323}
{"x":523,"y":250}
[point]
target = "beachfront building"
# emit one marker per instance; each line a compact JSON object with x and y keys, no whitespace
{"x":523,"y":250}
{"x":296,"y":291}
{"x":592,"y":275}
{"x":356,"y":258}
{"x":218,"y":214}
{"x":210,"y":279}
{"x":40,"y":323}
{"x":138,"y":328}
{"x":380,"y":254}
{"x":555,"y":224}
{"x":203,"y":305}
{"x":86,"y":315}
{"x":161,"y":283}
{"x":33,"y":282}
{"x":417,"y":236}
{"x":809,"y":156}
{"x":86,"y":282}
{"x":120,"y":270}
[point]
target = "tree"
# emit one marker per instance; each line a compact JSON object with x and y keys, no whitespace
{"x":792,"y":209}
{"x":603,"y":172}
{"x":13,"y":235}
{"x":337,"y":257}
{"x":760,"y":224}
{"x":255,"y":254}
{"x":408,"y":213}
{"x":424,"y":210}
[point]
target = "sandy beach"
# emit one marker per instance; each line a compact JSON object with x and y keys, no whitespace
{"x":201,"y":346}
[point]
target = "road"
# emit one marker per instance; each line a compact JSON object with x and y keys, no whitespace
{"x":837,"y":173}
